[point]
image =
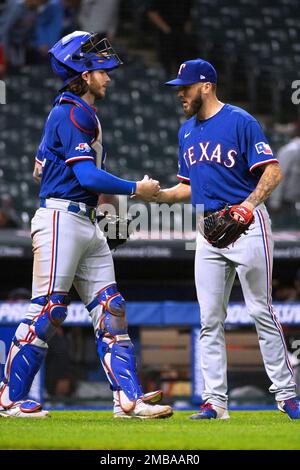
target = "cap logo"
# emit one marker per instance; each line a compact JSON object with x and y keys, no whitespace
{"x":202,"y":77}
{"x":181,"y":68}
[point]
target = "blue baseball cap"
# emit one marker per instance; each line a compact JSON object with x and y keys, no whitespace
{"x":194,"y":71}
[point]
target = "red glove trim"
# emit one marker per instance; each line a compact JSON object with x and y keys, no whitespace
{"x":246,"y":215}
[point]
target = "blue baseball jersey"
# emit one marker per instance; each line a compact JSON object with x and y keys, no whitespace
{"x":72,"y":133}
{"x":219,"y":157}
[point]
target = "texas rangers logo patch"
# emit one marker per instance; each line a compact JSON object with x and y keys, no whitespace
{"x":262,"y":147}
{"x":84,"y":147}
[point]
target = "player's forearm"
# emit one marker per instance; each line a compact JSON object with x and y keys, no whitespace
{"x":269,"y":180}
{"x":179,"y":193}
{"x":109,"y":184}
{"x":99,"y":181}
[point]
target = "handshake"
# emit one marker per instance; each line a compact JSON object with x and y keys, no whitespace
{"x":147,"y":189}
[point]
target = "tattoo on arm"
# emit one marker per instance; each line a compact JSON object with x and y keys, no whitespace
{"x":270,"y":178}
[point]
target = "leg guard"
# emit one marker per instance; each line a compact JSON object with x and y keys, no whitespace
{"x":53,"y":314}
{"x":29,"y":347}
{"x":22,"y":368}
{"x":115,"y":348}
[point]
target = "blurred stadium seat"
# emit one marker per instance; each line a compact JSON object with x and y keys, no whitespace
{"x":255,"y":46}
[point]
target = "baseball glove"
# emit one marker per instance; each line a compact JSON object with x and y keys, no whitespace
{"x":221,"y":229}
{"x":116,"y":229}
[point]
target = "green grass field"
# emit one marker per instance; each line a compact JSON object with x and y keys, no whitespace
{"x":98,"y":430}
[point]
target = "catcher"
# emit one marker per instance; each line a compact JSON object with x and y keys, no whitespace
{"x":69,"y":247}
{"x":227,"y":166}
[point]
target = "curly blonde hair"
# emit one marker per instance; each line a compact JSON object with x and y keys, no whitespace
{"x":78,"y":86}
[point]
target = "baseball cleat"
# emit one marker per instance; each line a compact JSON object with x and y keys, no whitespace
{"x":209,"y":411}
{"x":291,"y":407}
{"x":24,"y":409}
{"x":143,"y":410}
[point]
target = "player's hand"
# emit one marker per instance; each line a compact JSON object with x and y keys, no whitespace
{"x":37,"y":172}
{"x":156,"y":197}
{"x":147,"y":189}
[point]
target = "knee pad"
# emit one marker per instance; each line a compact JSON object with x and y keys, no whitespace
{"x":52,"y":315}
{"x":111,"y":301}
{"x":115,"y":348}
{"x":29,"y":347}
{"x":113,"y":317}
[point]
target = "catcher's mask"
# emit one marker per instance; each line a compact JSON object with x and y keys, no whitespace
{"x":82,"y":51}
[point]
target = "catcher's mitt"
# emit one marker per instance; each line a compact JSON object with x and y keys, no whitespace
{"x":116,"y":229}
{"x":221,"y":229}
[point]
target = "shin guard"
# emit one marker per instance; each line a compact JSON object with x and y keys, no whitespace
{"x":115,"y":348}
{"x":29,"y":347}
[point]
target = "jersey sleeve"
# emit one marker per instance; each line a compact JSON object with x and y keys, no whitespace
{"x":183,"y":171}
{"x":256,"y":147}
{"x":39,"y":154}
{"x":76,"y":141}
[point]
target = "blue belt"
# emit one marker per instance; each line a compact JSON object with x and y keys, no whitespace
{"x":74,"y":207}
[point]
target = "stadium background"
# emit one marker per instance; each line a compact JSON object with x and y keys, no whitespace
{"x":255,"y":48}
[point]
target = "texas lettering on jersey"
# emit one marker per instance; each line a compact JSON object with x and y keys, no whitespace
{"x":220,"y":157}
{"x":209,"y":153}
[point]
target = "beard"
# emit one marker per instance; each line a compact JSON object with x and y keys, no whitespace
{"x":94,"y":89}
{"x":194,"y":107}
